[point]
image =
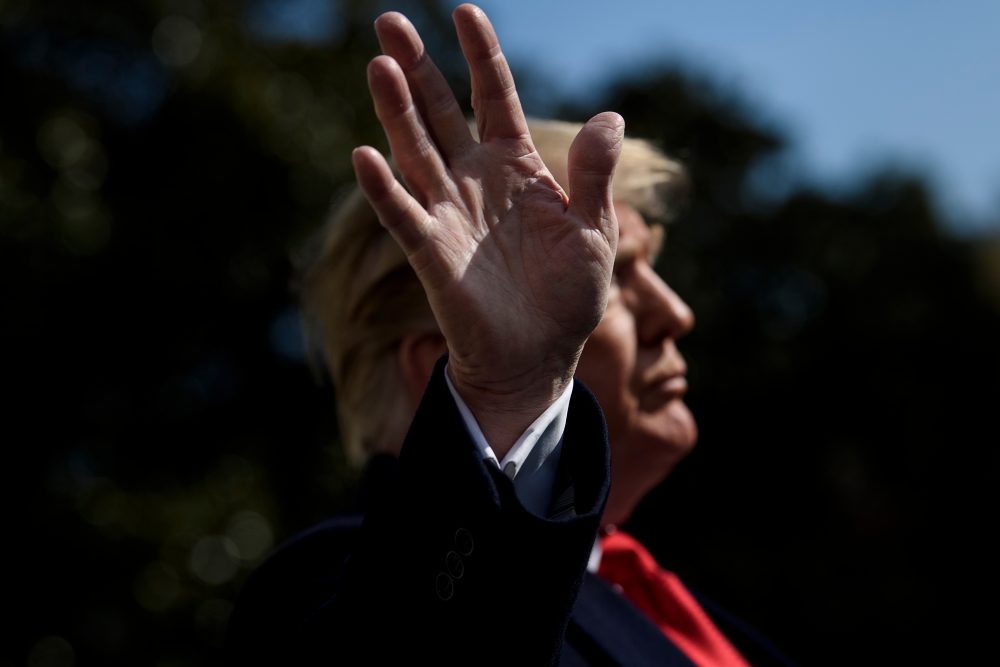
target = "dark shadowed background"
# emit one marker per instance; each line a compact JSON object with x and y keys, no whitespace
{"x":160,"y":164}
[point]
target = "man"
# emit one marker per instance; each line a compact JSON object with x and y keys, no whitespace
{"x":478,"y":544}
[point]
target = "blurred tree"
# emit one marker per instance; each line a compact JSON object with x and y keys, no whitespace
{"x":159,"y":165}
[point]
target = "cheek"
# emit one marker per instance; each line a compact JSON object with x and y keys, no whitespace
{"x":607,"y":366}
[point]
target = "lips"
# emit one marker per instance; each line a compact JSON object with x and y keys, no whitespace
{"x":674,"y":385}
{"x":665,"y":386}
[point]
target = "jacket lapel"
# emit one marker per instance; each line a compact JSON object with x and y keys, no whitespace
{"x":605,"y":629}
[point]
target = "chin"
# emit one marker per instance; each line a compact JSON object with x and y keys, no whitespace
{"x":646,"y":456}
{"x":684,"y":429}
{"x":667,"y":436}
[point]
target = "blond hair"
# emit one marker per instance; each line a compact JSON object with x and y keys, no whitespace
{"x":360,"y":297}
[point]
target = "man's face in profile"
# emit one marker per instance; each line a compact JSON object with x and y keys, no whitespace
{"x":632,"y":364}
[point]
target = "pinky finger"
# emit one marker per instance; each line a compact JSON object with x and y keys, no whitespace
{"x":397,"y":210}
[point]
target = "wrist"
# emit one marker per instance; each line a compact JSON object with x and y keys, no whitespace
{"x":505,"y":408}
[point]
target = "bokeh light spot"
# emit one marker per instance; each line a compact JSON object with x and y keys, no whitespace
{"x":51,"y":651}
{"x":176,"y":41}
{"x":251,"y":533}
{"x":215,"y":559}
{"x":63,"y":142}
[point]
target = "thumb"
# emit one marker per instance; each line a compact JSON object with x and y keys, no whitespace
{"x":591,"y":166}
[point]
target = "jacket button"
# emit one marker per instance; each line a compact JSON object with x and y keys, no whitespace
{"x":444,"y":586}
{"x":456,"y":568}
{"x":463,"y":541}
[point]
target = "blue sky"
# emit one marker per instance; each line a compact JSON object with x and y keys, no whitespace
{"x":856,"y":83}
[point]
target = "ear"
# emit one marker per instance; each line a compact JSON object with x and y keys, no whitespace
{"x":418,"y":352}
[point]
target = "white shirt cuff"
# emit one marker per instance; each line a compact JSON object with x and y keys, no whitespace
{"x":533,"y":472}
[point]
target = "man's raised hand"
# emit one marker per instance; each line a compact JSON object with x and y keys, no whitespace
{"x":516,"y":272}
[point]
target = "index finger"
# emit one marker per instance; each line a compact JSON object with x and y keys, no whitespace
{"x":494,"y":97}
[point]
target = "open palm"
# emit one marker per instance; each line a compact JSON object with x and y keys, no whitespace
{"x":516,"y":272}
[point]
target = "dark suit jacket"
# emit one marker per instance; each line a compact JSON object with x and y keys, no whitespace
{"x":446,"y":565}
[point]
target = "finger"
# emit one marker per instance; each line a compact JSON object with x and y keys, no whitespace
{"x":433,"y":96}
{"x":593,"y":156}
{"x":412,"y":147}
{"x":397,"y":210}
{"x":494,"y":97}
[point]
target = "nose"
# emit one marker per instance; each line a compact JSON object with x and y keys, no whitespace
{"x":661,"y":313}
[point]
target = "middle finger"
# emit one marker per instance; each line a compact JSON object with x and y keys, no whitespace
{"x":494,"y":97}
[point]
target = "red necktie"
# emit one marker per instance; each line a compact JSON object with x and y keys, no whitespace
{"x":666,"y":601}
